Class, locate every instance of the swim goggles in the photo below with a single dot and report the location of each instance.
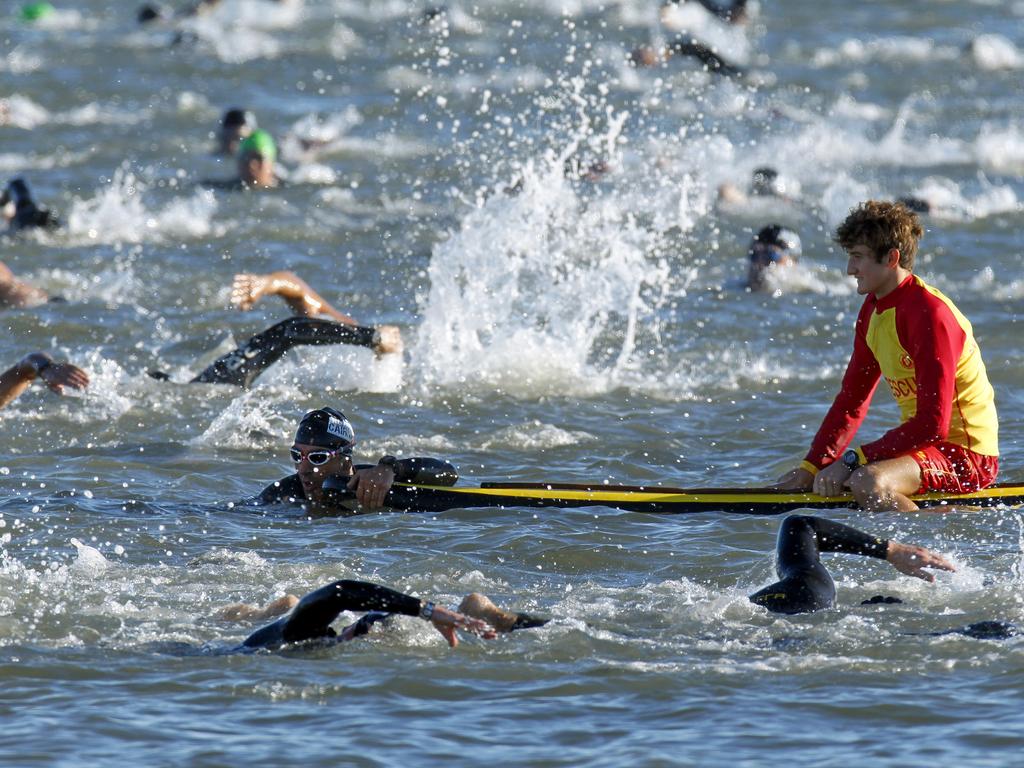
(763, 253)
(318, 458)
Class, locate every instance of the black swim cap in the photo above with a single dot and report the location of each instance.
(764, 181)
(236, 117)
(148, 13)
(326, 428)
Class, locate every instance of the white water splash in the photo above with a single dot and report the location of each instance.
(521, 295)
(117, 214)
(994, 52)
(89, 561)
(1001, 150)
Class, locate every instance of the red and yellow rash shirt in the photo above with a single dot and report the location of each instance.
(924, 347)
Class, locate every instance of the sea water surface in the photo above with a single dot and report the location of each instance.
(556, 329)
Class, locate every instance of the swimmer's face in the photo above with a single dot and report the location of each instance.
(230, 136)
(764, 258)
(312, 477)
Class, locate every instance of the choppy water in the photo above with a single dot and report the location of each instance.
(576, 331)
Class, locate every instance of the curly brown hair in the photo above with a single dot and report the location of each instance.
(882, 226)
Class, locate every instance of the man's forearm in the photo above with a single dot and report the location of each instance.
(16, 379)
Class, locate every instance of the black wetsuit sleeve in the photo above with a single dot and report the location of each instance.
(836, 537)
(287, 489)
(687, 46)
(242, 366)
(425, 471)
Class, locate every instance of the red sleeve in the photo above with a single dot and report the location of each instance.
(929, 331)
(851, 404)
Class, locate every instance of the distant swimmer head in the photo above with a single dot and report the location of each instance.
(150, 13)
(17, 193)
(235, 126)
(256, 156)
(915, 204)
(326, 428)
(768, 182)
(773, 246)
(20, 210)
(32, 12)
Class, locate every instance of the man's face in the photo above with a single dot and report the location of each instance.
(312, 477)
(871, 275)
(231, 136)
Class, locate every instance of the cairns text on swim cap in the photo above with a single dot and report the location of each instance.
(259, 143)
(328, 428)
(35, 11)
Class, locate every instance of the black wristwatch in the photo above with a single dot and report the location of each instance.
(391, 462)
(851, 459)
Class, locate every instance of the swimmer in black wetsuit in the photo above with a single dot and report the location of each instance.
(311, 617)
(773, 248)
(243, 365)
(21, 211)
(323, 448)
(805, 585)
(685, 46)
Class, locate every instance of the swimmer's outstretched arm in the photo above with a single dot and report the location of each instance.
(18, 293)
(248, 289)
(296, 293)
(909, 559)
(314, 613)
(16, 379)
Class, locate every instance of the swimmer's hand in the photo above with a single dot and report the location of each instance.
(247, 289)
(371, 485)
(446, 621)
(646, 56)
(912, 560)
(389, 340)
(57, 375)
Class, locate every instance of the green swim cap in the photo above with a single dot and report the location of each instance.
(261, 143)
(35, 11)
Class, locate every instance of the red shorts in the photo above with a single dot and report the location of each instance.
(954, 469)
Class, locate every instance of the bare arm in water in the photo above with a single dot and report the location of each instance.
(248, 289)
(16, 293)
(16, 379)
